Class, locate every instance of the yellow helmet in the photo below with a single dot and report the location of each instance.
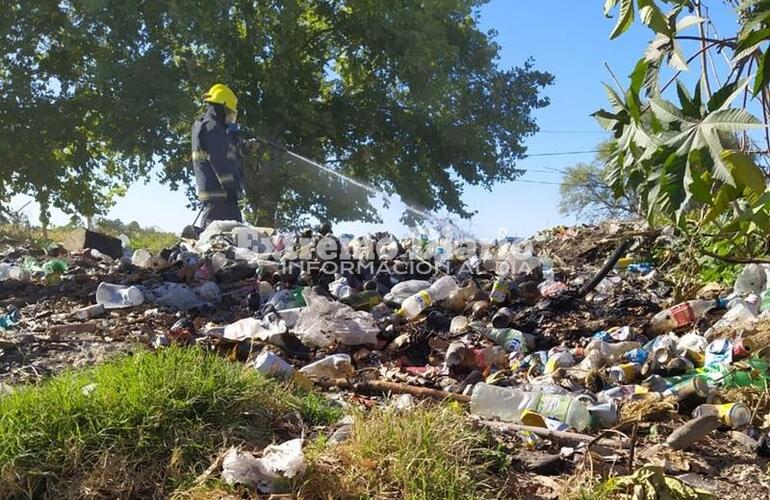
(221, 94)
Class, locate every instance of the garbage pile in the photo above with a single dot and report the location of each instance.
(567, 346)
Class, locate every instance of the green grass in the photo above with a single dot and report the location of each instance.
(429, 452)
(150, 239)
(152, 423)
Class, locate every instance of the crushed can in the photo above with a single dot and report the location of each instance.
(621, 334)
(719, 352)
(742, 348)
(636, 356)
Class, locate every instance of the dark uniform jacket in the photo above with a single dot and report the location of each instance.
(216, 157)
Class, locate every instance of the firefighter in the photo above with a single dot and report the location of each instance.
(216, 156)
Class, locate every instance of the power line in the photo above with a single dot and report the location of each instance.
(560, 153)
(573, 132)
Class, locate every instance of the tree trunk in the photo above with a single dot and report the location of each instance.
(263, 189)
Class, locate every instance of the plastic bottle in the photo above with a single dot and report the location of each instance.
(508, 405)
(458, 299)
(510, 339)
(113, 296)
(334, 366)
(362, 301)
(500, 289)
(402, 291)
(420, 301)
(732, 414)
(683, 314)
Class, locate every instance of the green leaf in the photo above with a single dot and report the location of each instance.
(753, 38)
(651, 15)
(638, 75)
(625, 18)
(677, 59)
(731, 120)
(652, 79)
(761, 16)
(695, 182)
(744, 170)
(615, 100)
(725, 195)
(726, 94)
(608, 6)
(667, 111)
(634, 106)
(688, 104)
(608, 121)
(688, 21)
(763, 73)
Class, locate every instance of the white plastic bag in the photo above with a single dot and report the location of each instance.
(324, 322)
(405, 289)
(751, 280)
(268, 329)
(278, 462)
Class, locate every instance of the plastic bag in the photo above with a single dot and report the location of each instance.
(266, 474)
(324, 322)
(268, 329)
(751, 280)
(405, 289)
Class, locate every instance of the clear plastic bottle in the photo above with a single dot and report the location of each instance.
(420, 301)
(510, 339)
(334, 366)
(458, 299)
(113, 296)
(683, 314)
(508, 405)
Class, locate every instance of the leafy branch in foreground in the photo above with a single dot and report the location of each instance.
(693, 160)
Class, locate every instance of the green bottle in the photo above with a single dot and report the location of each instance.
(362, 301)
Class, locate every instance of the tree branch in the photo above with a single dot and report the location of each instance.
(736, 260)
(725, 42)
(704, 57)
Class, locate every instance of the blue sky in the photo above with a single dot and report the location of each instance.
(568, 38)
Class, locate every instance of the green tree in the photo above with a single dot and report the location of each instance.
(406, 96)
(585, 193)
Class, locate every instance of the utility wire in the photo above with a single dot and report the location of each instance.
(573, 132)
(561, 153)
